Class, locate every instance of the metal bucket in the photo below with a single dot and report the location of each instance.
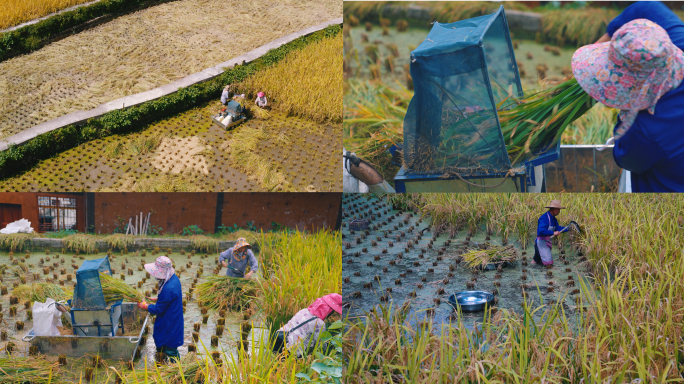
(471, 301)
(108, 347)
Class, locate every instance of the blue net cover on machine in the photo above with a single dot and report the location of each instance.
(88, 292)
(461, 72)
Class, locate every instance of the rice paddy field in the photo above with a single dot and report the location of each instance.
(287, 148)
(221, 343)
(126, 56)
(15, 12)
(608, 310)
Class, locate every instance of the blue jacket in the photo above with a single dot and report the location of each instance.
(653, 148)
(168, 328)
(544, 222)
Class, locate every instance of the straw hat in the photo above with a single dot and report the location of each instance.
(555, 204)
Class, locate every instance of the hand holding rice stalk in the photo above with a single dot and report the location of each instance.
(539, 120)
(495, 254)
(115, 290)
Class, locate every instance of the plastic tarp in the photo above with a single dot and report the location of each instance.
(19, 226)
(46, 318)
(88, 292)
(461, 72)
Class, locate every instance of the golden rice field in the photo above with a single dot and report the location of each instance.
(15, 12)
(141, 51)
(307, 83)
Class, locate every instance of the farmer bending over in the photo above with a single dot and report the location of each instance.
(304, 329)
(236, 259)
(547, 226)
(168, 327)
(261, 100)
(638, 67)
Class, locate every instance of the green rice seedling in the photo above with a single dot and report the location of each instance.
(114, 290)
(221, 292)
(80, 243)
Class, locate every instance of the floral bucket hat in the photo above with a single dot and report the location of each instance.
(162, 268)
(632, 71)
(241, 242)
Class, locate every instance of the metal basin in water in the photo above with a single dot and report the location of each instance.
(493, 266)
(471, 301)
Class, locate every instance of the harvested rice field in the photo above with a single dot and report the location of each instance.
(287, 147)
(189, 153)
(141, 51)
(609, 309)
(219, 342)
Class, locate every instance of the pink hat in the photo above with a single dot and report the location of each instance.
(632, 71)
(260, 94)
(162, 268)
(322, 306)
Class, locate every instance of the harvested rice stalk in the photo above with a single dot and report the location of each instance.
(114, 290)
(80, 243)
(119, 241)
(539, 120)
(219, 292)
(204, 243)
(41, 292)
(494, 254)
(26, 370)
(16, 241)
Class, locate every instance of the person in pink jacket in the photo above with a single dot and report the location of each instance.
(302, 331)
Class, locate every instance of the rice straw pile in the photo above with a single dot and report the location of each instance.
(26, 370)
(479, 258)
(114, 289)
(225, 292)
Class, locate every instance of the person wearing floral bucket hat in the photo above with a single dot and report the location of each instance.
(638, 67)
(168, 307)
(306, 326)
(236, 259)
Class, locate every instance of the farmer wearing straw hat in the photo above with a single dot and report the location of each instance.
(547, 226)
(305, 327)
(638, 67)
(235, 259)
(261, 100)
(168, 327)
